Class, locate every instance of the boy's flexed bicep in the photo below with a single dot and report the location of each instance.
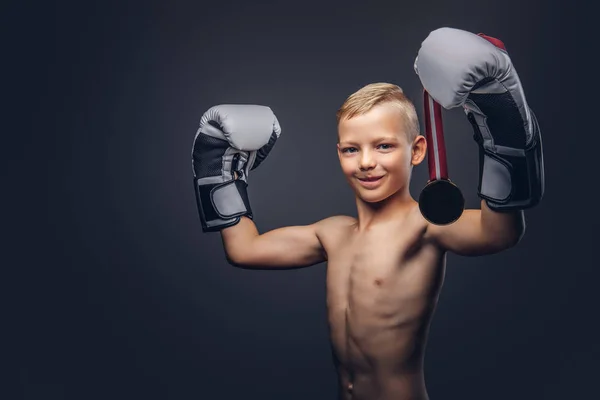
(479, 232)
(287, 247)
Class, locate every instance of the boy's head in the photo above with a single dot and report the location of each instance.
(378, 137)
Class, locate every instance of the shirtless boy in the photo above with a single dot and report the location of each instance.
(386, 267)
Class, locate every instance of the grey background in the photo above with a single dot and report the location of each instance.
(113, 292)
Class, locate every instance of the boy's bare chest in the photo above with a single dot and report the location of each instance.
(373, 263)
(366, 256)
(381, 286)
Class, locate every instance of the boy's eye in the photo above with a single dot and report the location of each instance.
(384, 146)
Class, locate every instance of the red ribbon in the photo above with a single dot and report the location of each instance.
(434, 133)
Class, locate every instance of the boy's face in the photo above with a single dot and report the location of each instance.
(374, 145)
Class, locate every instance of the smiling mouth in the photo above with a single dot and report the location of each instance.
(370, 179)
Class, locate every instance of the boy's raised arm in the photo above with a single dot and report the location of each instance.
(480, 232)
(287, 247)
(231, 141)
(460, 69)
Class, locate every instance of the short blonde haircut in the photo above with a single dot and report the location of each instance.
(363, 100)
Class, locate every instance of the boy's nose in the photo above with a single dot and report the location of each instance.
(367, 161)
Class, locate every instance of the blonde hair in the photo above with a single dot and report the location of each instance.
(363, 100)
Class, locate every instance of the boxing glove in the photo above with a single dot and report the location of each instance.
(231, 141)
(459, 68)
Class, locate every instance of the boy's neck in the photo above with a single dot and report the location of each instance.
(373, 214)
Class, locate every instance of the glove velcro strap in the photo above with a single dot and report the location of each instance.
(511, 181)
(221, 205)
(230, 199)
(497, 183)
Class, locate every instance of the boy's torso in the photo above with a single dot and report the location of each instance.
(382, 289)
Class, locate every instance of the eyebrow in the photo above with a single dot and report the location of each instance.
(379, 139)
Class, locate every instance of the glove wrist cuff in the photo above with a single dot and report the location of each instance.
(222, 205)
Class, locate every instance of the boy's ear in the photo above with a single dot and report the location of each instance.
(419, 149)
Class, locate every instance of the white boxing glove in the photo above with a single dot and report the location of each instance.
(231, 141)
(459, 68)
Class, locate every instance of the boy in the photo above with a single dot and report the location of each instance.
(386, 267)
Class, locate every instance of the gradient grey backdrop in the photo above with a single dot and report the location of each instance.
(119, 295)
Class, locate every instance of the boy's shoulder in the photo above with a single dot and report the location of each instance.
(335, 225)
(338, 221)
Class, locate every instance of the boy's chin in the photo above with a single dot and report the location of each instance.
(373, 196)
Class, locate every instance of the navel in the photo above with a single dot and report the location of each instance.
(378, 282)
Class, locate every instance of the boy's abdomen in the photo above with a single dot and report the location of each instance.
(381, 296)
(379, 386)
(379, 334)
(377, 360)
